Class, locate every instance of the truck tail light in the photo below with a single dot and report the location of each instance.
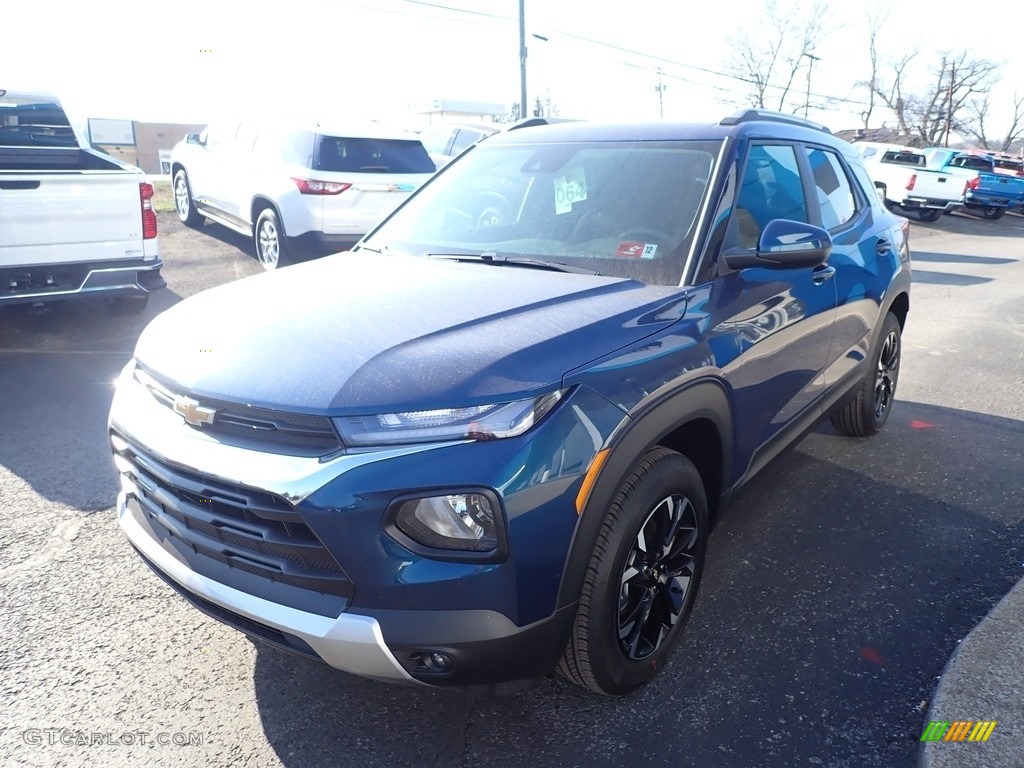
(912, 182)
(311, 187)
(148, 214)
(973, 183)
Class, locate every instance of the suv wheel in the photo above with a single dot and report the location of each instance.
(868, 411)
(642, 579)
(269, 239)
(183, 203)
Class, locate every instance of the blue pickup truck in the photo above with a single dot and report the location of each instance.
(988, 192)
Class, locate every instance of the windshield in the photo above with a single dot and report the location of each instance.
(624, 209)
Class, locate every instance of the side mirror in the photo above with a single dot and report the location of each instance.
(193, 138)
(784, 244)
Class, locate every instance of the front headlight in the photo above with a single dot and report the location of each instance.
(479, 422)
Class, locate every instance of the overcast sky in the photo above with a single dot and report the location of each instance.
(189, 61)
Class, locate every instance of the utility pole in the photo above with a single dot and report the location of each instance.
(522, 59)
(810, 67)
(660, 88)
(949, 102)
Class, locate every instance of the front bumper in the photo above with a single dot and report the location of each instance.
(498, 623)
(53, 282)
(350, 642)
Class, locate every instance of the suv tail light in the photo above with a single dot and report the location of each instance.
(912, 182)
(148, 214)
(311, 187)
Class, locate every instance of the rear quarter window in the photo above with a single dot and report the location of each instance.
(362, 155)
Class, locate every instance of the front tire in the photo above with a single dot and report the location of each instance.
(868, 411)
(642, 578)
(184, 205)
(269, 239)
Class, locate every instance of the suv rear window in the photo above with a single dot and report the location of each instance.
(362, 155)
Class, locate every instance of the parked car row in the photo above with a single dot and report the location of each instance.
(938, 180)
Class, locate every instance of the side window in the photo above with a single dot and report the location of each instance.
(246, 136)
(871, 193)
(463, 139)
(296, 147)
(770, 189)
(219, 134)
(835, 197)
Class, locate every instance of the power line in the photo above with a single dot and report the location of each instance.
(614, 47)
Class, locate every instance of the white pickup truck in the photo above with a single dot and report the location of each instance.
(74, 222)
(903, 180)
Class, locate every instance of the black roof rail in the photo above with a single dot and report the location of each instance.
(529, 122)
(766, 115)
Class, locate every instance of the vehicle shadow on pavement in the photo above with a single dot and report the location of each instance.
(947, 278)
(836, 588)
(958, 258)
(57, 371)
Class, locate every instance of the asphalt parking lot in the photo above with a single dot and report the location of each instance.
(837, 585)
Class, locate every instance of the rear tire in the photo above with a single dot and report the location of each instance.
(269, 238)
(993, 213)
(184, 205)
(929, 214)
(642, 579)
(868, 411)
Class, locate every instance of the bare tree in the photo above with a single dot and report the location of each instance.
(892, 95)
(932, 114)
(769, 54)
(974, 124)
(876, 20)
(1016, 129)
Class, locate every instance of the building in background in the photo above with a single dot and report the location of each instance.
(147, 145)
(442, 110)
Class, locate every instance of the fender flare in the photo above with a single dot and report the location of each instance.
(705, 398)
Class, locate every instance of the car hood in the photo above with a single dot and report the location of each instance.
(357, 332)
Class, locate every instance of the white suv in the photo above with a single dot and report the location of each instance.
(297, 187)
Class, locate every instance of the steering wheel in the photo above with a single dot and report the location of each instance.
(647, 235)
(496, 210)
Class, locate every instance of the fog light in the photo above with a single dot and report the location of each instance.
(440, 661)
(461, 521)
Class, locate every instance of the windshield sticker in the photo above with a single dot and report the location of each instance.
(630, 250)
(633, 249)
(570, 188)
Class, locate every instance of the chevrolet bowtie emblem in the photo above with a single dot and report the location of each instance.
(194, 413)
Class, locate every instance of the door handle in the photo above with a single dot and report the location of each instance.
(823, 274)
(883, 246)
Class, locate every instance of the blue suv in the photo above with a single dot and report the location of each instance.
(490, 441)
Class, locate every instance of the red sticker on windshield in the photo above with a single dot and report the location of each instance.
(630, 250)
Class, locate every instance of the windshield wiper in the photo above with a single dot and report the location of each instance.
(513, 261)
